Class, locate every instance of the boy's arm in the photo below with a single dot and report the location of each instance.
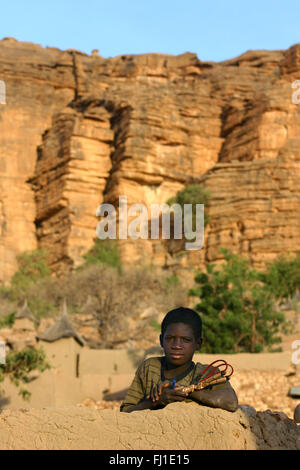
(146, 404)
(160, 396)
(220, 396)
(135, 392)
(135, 399)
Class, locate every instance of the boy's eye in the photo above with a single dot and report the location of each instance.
(170, 338)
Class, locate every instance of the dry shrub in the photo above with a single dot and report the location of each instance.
(118, 297)
(7, 307)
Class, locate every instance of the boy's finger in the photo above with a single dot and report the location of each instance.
(180, 394)
(156, 395)
(164, 385)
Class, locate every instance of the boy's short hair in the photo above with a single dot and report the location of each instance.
(183, 315)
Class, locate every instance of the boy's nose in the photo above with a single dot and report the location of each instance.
(177, 343)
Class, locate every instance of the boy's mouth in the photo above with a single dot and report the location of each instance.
(176, 355)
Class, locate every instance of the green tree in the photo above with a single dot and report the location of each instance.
(171, 282)
(283, 277)
(193, 194)
(7, 321)
(33, 270)
(32, 267)
(18, 365)
(236, 307)
(105, 252)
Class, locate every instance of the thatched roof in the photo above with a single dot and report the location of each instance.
(24, 312)
(89, 307)
(63, 328)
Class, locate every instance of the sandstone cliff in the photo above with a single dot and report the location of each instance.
(78, 130)
(176, 427)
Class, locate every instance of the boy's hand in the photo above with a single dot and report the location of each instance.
(163, 394)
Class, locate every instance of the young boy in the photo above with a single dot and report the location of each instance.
(181, 331)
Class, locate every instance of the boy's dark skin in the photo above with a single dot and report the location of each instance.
(180, 344)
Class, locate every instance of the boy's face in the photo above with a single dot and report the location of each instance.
(179, 343)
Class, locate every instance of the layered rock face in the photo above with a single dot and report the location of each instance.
(38, 82)
(176, 427)
(71, 173)
(79, 130)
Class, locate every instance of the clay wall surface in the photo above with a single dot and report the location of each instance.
(179, 426)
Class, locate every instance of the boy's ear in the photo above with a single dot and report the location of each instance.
(199, 343)
(161, 340)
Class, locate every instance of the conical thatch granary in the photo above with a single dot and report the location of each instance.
(24, 320)
(62, 344)
(63, 328)
(90, 307)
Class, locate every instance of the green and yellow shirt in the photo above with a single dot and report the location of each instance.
(151, 373)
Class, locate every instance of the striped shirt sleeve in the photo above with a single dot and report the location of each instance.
(136, 391)
(147, 375)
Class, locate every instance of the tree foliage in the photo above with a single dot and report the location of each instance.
(19, 364)
(237, 308)
(7, 321)
(193, 194)
(32, 267)
(105, 252)
(32, 272)
(283, 277)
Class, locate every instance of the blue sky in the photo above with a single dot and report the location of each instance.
(215, 31)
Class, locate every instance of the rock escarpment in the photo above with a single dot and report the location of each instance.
(176, 427)
(79, 130)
